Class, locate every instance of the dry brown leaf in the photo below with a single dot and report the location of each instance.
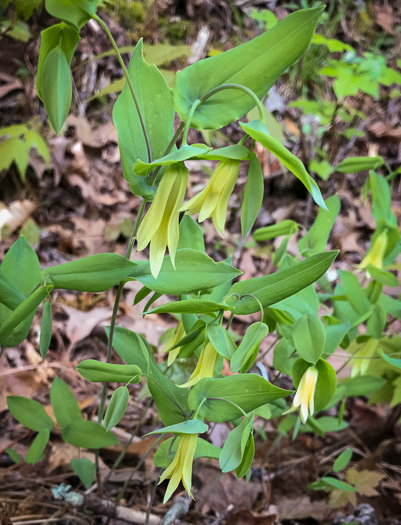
(300, 508)
(8, 84)
(246, 517)
(340, 498)
(364, 481)
(14, 216)
(80, 324)
(385, 17)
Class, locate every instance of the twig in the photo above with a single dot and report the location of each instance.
(179, 509)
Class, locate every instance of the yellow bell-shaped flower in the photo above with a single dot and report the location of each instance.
(180, 469)
(375, 254)
(213, 199)
(305, 394)
(206, 365)
(178, 334)
(160, 225)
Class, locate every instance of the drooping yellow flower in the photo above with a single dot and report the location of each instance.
(305, 394)
(178, 334)
(181, 466)
(213, 199)
(361, 358)
(375, 254)
(160, 225)
(206, 365)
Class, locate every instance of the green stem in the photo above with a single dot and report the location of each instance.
(129, 83)
(189, 120)
(246, 90)
(259, 303)
(153, 176)
(135, 229)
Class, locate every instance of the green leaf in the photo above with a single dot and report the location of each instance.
(97, 371)
(13, 455)
(334, 336)
(233, 449)
(248, 391)
(17, 325)
(309, 337)
(253, 336)
(356, 164)
(14, 149)
(377, 321)
(362, 386)
(74, 12)
(29, 413)
(95, 273)
(165, 453)
(253, 195)
(259, 132)
(221, 340)
(354, 292)
(283, 357)
(286, 227)
(88, 434)
(10, 296)
(381, 198)
(325, 384)
(316, 238)
(132, 348)
(322, 168)
(84, 468)
(271, 289)
(65, 406)
(247, 458)
(56, 87)
(256, 64)
(186, 152)
(343, 459)
(57, 35)
(337, 484)
(393, 361)
(190, 235)
(194, 271)
(194, 306)
(38, 446)
(117, 407)
(46, 328)
(191, 426)
(234, 152)
(154, 101)
(382, 277)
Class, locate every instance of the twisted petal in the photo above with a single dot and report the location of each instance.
(205, 367)
(304, 396)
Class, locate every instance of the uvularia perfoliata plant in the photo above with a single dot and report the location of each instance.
(202, 294)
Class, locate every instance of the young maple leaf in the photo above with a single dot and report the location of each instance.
(339, 498)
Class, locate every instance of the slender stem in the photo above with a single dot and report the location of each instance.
(152, 498)
(129, 82)
(135, 228)
(189, 120)
(246, 90)
(230, 320)
(259, 303)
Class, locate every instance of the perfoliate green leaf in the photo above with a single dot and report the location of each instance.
(247, 458)
(154, 101)
(88, 434)
(286, 227)
(315, 240)
(10, 296)
(233, 449)
(248, 391)
(256, 64)
(355, 293)
(221, 340)
(356, 164)
(381, 198)
(253, 336)
(117, 407)
(38, 445)
(29, 413)
(194, 271)
(259, 132)
(74, 12)
(309, 337)
(393, 361)
(97, 371)
(132, 348)
(190, 235)
(46, 328)
(377, 321)
(325, 384)
(95, 273)
(84, 468)
(253, 195)
(334, 336)
(65, 406)
(362, 386)
(271, 289)
(194, 306)
(56, 87)
(234, 152)
(191, 426)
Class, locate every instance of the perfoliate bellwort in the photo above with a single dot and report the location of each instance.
(206, 365)
(160, 225)
(375, 254)
(305, 394)
(213, 199)
(181, 466)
